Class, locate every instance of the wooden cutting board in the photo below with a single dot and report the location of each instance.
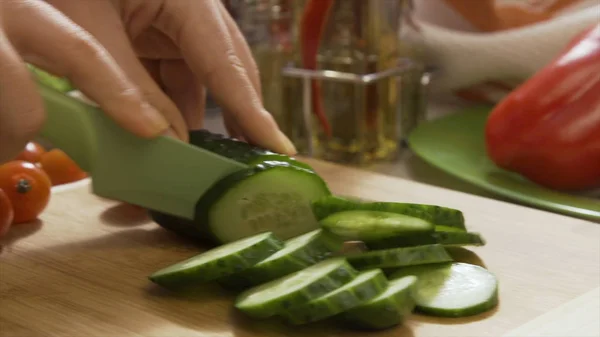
(81, 271)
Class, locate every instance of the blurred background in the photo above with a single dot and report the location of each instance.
(349, 80)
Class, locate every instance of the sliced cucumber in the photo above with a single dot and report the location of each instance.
(452, 237)
(364, 287)
(180, 226)
(369, 226)
(399, 257)
(218, 262)
(61, 84)
(272, 197)
(386, 310)
(452, 289)
(438, 215)
(295, 289)
(238, 150)
(298, 253)
(459, 238)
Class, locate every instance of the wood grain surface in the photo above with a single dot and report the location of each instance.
(82, 271)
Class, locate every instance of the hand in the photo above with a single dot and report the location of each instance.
(144, 62)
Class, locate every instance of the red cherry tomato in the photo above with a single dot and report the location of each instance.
(27, 187)
(32, 152)
(60, 167)
(6, 213)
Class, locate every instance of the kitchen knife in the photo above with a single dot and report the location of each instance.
(161, 174)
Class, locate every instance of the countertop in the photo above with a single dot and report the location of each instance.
(81, 270)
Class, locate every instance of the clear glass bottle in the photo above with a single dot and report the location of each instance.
(357, 123)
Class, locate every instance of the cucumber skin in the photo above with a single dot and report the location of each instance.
(239, 151)
(400, 257)
(322, 248)
(260, 251)
(381, 316)
(438, 215)
(446, 238)
(317, 310)
(181, 227)
(330, 282)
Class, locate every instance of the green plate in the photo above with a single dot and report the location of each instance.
(455, 144)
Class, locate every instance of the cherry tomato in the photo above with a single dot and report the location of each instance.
(60, 167)
(32, 152)
(27, 187)
(6, 213)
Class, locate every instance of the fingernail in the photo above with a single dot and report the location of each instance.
(288, 146)
(154, 121)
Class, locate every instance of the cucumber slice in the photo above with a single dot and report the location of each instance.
(387, 310)
(438, 215)
(180, 226)
(298, 253)
(399, 257)
(295, 289)
(459, 238)
(364, 287)
(238, 150)
(369, 226)
(218, 262)
(452, 237)
(273, 197)
(452, 289)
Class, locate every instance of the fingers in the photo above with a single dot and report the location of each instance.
(198, 28)
(102, 21)
(72, 52)
(21, 108)
(180, 84)
(242, 49)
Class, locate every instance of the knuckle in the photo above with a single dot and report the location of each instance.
(84, 45)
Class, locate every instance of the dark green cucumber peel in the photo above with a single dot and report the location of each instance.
(218, 262)
(274, 297)
(299, 252)
(438, 215)
(459, 238)
(399, 257)
(273, 197)
(367, 285)
(387, 310)
(443, 235)
(182, 227)
(372, 226)
(238, 150)
(452, 289)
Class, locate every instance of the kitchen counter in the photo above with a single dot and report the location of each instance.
(81, 270)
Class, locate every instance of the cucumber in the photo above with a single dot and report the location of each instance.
(369, 226)
(218, 262)
(438, 215)
(387, 310)
(274, 297)
(452, 289)
(238, 150)
(459, 238)
(399, 257)
(273, 197)
(364, 287)
(299, 252)
(443, 236)
(180, 226)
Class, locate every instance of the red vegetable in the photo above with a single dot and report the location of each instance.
(312, 26)
(548, 129)
(27, 187)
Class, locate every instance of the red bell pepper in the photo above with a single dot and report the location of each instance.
(548, 129)
(312, 25)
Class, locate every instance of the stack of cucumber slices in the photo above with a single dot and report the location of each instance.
(280, 238)
(307, 278)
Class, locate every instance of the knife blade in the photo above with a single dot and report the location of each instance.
(161, 174)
